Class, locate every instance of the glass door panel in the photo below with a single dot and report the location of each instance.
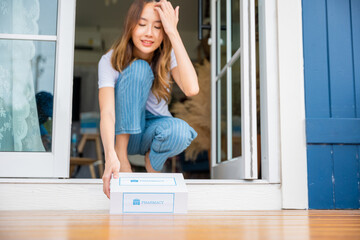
(235, 26)
(233, 81)
(236, 109)
(35, 17)
(222, 34)
(222, 119)
(27, 73)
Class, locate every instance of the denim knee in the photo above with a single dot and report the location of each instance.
(185, 137)
(138, 74)
(175, 137)
(131, 93)
(142, 71)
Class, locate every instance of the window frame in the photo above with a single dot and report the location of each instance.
(53, 164)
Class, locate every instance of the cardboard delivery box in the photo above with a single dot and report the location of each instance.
(148, 193)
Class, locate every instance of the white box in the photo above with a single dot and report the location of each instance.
(163, 193)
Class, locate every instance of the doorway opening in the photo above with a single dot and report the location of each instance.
(98, 25)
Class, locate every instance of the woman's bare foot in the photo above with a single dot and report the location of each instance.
(125, 165)
(148, 164)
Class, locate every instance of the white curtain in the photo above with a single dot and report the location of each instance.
(19, 124)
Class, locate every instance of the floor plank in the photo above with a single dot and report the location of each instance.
(285, 224)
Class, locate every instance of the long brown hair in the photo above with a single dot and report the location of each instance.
(122, 54)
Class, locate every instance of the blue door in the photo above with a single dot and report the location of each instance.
(331, 31)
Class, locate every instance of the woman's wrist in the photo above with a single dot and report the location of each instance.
(173, 35)
(110, 152)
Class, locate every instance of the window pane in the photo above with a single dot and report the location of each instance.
(37, 17)
(27, 71)
(221, 119)
(223, 28)
(235, 26)
(236, 108)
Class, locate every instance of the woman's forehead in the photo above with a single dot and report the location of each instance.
(149, 13)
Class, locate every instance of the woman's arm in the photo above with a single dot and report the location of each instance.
(107, 131)
(184, 74)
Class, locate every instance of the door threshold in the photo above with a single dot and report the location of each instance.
(99, 181)
(87, 194)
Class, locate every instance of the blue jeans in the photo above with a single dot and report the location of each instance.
(164, 136)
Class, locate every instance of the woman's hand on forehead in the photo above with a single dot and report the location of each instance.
(169, 17)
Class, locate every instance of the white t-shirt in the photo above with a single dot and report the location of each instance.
(108, 77)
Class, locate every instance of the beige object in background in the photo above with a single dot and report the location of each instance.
(197, 113)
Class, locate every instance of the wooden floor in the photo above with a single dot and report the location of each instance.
(286, 224)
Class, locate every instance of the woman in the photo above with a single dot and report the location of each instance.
(135, 88)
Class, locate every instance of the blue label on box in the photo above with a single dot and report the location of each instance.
(147, 181)
(148, 202)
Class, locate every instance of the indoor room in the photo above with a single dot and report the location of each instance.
(98, 24)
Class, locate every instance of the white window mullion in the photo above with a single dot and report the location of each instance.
(63, 87)
(233, 59)
(229, 80)
(269, 92)
(245, 116)
(27, 37)
(252, 78)
(213, 57)
(218, 83)
(248, 77)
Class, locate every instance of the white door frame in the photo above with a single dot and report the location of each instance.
(285, 141)
(292, 105)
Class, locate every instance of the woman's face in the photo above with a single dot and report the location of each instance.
(148, 33)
